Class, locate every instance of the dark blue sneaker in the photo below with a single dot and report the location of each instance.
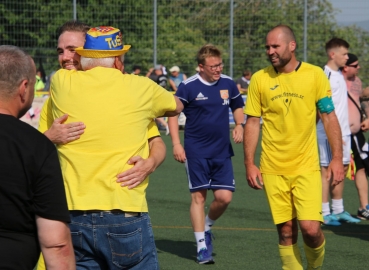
(208, 241)
(203, 257)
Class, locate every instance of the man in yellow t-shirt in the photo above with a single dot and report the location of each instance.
(286, 95)
(117, 110)
(72, 35)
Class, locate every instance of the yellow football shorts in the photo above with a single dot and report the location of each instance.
(292, 196)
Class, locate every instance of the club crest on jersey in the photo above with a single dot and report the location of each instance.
(225, 96)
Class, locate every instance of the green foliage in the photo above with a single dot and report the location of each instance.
(183, 26)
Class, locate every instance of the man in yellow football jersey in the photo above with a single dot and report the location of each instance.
(286, 95)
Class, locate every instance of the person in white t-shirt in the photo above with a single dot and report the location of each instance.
(337, 50)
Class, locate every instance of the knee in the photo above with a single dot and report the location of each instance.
(223, 200)
(287, 236)
(312, 234)
(198, 198)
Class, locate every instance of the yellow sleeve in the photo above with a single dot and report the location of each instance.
(322, 85)
(253, 101)
(46, 117)
(152, 130)
(162, 100)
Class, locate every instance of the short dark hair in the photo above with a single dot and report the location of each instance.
(73, 26)
(15, 66)
(336, 43)
(208, 50)
(136, 67)
(247, 72)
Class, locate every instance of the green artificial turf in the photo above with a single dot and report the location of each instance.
(245, 237)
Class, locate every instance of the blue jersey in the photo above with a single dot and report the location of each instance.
(206, 106)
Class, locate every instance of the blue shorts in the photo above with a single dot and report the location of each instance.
(210, 173)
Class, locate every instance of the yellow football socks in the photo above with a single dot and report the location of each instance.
(315, 256)
(291, 257)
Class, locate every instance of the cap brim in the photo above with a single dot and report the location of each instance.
(102, 53)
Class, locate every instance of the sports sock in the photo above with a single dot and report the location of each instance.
(291, 257)
(208, 223)
(314, 256)
(325, 209)
(337, 206)
(200, 240)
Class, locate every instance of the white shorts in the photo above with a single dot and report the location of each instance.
(325, 153)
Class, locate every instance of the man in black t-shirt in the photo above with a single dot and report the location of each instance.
(33, 208)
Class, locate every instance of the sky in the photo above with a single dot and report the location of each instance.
(351, 10)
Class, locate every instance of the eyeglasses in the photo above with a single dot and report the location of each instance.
(354, 66)
(213, 68)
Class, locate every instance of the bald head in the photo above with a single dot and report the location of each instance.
(280, 47)
(285, 31)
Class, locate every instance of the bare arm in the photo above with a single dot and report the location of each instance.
(179, 108)
(56, 244)
(178, 150)
(149, 72)
(237, 132)
(173, 85)
(143, 167)
(333, 131)
(241, 90)
(250, 141)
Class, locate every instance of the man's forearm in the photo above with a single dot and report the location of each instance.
(334, 135)
(157, 151)
(250, 139)
(56, 244)
(238, 116)
(173, 127)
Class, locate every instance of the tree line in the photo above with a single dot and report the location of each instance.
(183, 26)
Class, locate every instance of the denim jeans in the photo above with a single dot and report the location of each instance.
(113, 240)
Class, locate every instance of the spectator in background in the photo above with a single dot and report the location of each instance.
(336, 49)
(39, 91)
(243, 82)
(161, 79)
(176, 78)
(34, 211)
(136, 70)
(157, 75)
(358, 124)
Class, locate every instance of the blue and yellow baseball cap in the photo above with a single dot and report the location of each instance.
(103, 41)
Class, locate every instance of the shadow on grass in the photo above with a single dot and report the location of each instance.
(183, 249)
(360, 231)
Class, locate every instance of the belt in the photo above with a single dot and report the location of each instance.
(114, 211)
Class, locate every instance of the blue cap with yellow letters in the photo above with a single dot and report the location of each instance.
(103, 41)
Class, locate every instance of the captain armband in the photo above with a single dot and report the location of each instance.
(325, 105)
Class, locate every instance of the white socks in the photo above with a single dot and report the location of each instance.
(200, 240)
(208, 223)
(337, 206)
(326, 210)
